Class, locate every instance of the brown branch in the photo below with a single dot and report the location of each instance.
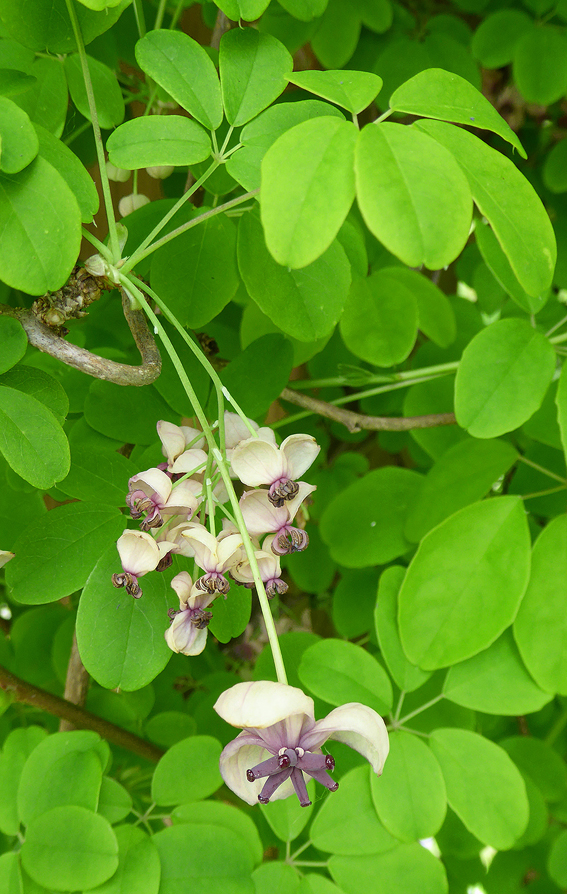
(222, 25)
(358, 421)
(76, 684)
(45, 339)
(78, 717)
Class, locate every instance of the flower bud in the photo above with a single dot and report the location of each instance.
(118, 175)
(160, 172)
(131, 203)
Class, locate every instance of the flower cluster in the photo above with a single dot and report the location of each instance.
(173, 501)
(281, 741)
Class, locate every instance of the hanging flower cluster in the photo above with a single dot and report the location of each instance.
(281, 741)
(173, 501)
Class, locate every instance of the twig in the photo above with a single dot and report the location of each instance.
(222, 25)
(42, 337)
(59, 707)
(358, 421)
(76, 683)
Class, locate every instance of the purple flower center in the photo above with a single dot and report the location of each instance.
(293, 763)
(289, 540)
(281, 490)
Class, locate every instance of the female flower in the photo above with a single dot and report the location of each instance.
(281, 740)
(188, 631)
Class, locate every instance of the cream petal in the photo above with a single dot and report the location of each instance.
(182, 636)
(292, 506)
(138, 552)
(235, 429)
(172, 439)
(257, 462)
(261, 704)
(228, 551)
(359, 727)
(182, 499)
(5, 556)
(154, 483)
(182, 585)
(300, 452)
(240, 755)
(194, 437)
(260, 516)
(189, 461)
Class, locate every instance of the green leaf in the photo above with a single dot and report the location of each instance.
(113, 629)
(253, 70)
(436, 93)
(410, 795)
(287, 818)
(495, 39)
(72, 170)
(353, 90)
(13, 82)
(226, 815)
(196, 273)
(41, 225)
(305, 9)
(47, 101)
(347, 822)
(62, 770)
(40, 385)
(508, 201)
(464, 585)
(98, 475)
(307, 189)
(32, 441)
(306, 303)
(275, 876)
(340, 672)
(364, 524)
(338, 33)
(433, 396)
(540, 65)
(484, 787)
(158, 140)
(70, 848)
(537, 759)
(379, 322)
(413, 198)
(10, 874)
(99, 4)
(188, 771)
(115, 802)
(18, 139)
(554, 168)
(57, 553)
(354, 618)
(125, 412)
(421, 872)
(502, 378)
(44, 25)
(18, 746)
(436, 317)
(203, 858)
(182, 67)
(463, 475)
(561, 400)
(557, 861)
(138, 864)
(257, 136)
(500, 268)
(252, 383)
(495, 681)
(169, 727)
(406, 675)
(540, 628)
(231, 616)
(13, 343)
(106, 89)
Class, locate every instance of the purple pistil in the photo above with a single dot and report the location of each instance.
(293, 762)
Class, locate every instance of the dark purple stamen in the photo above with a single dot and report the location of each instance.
(281, 490)
(289, 540)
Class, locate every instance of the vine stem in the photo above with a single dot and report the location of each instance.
(112, 231)
(223, 469)
(420, 709)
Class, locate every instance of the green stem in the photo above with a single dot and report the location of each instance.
(176, 15)
(384, 115)
(399, 706)
(542, 469)
(112, 233)
(147, 247)
(544, 493)
(402, 376)
(159, 15)
(300, 850)
(141, 252)
(140, 19)
(103, 249)
(422, 708)
(557, 728)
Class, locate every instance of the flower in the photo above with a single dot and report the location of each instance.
(5, 556)
(139, 553)
(175, 440)
(281, 740)
(154, 493)
(262, 517)
(214, 555)
(257, 461)
(188, 630)
(269, 568)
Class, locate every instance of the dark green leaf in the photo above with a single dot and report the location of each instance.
(252, 383)
(32, 441)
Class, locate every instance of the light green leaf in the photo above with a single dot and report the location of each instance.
(106, 89)
(138, 864)
(10, 874)
(158, 140)
(226, 815)
(406, 675)
(500, 268)
(340, 672)
(305, 10)
(347, 822)
(253, 70)
(57, 553)
(203, 858)
(463, 586)
(540, 628)
(48, 100)
(70, 848)
(18, 746)
(414, 199)
(41, 229)
(540, 64)
(182, 67)
(561, 400)
(436, 317)
(537, 759)
(200, 776)
(13, 343)
(31, 439)
(364, 524)
(100, 4)
(495, 681)
(98, 475)
(231, 616)
(115, 802)
(307, 189)
(275, 876)
(45, 26)
(463, 474)
(410, 796)
(484, 787)
(421, 872)
(495, 39)
(113, 629)
(554, 170)
(557, 861)
(18, 138)
(353, 90)
(71, 169)
(306, 303)
(436, 93)
(337, 35)
(502, 378)
(287, 818)
(379, 322)
(508, 201)
(14, 82)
